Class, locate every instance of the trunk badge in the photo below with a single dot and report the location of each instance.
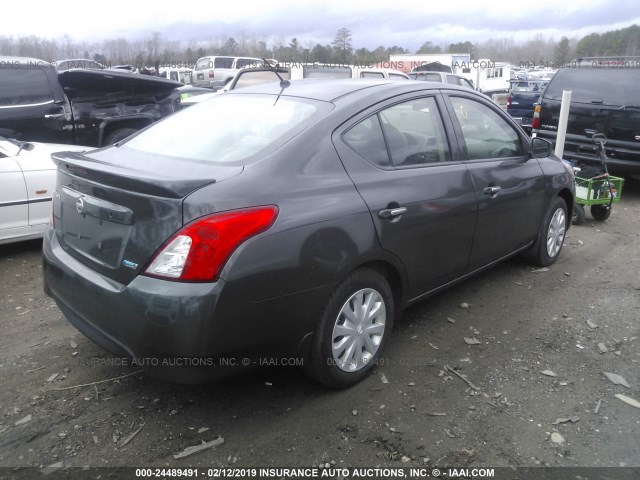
(80, 205)
(129, 264)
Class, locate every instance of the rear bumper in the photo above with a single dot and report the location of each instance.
(178, 331)
(618, 158)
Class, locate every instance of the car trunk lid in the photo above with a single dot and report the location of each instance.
(115, 207)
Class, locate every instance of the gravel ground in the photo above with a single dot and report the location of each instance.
(532, 391)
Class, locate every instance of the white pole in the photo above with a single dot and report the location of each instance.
(562, 122)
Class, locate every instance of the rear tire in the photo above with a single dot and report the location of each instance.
(600, 212)
(552, 234)
(578, 214)
(353, 330)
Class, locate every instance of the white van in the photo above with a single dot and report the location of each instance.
(182, 75)
(216, 71)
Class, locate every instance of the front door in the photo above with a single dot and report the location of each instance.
(509, 185)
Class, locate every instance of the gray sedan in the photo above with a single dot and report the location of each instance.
(294, 220)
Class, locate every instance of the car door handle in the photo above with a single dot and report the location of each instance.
(392, 212)
(54, 115)
(492, 191)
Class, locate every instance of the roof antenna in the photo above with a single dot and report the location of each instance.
(283, 83)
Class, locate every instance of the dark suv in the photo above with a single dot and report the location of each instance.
(606, 98)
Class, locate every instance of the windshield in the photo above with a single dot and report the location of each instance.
(594, 85)
(229, 128)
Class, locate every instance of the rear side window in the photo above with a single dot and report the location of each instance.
(415, 133)
(24, 86)
(203, 63)
(486, 134)
(246, 62)
(367, 140)
(608, 86)
(412, 131)
(223, 62)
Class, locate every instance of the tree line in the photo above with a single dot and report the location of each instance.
(156, 49)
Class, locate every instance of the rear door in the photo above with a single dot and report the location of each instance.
(509, 185)
(420, 194)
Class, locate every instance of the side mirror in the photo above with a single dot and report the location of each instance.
(541, 148)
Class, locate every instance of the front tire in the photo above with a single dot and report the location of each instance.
(353, 331)
(552, 234)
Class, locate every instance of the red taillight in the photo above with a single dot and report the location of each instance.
(210, 73)
(535, 123)
(198, 252)
(509, 102)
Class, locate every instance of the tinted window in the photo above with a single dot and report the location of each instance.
(611, 86)
(326, 72)
(256, 77)
(366, 139)
(453, 80)
(23, 86)
(414, 133)
(223, 62)
(486, 133)
(371, 75)
(246, 62)
(228, 128)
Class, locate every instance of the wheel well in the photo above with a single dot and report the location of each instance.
(392, 276)
(568, 199)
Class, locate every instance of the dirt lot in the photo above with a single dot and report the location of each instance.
(412, 412)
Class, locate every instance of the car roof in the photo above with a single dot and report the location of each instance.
(329, 90)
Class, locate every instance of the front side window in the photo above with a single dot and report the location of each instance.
(486, 134)
(404, 135)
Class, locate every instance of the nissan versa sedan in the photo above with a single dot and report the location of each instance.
(294, 220)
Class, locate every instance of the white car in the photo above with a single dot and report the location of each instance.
(27, 183)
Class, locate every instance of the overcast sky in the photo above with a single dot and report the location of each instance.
(371, 22)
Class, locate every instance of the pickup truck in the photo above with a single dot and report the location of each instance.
(605, 98)
(78, 106)
(522, 99)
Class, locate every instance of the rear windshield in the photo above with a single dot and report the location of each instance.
(607, 86)
(229, 128)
